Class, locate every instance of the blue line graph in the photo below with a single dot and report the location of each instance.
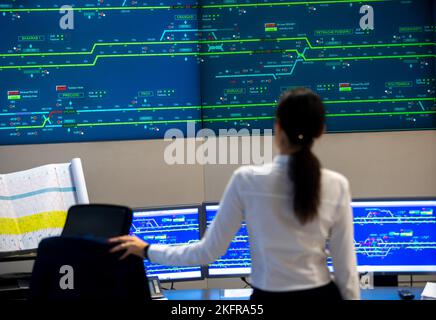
(37, 192)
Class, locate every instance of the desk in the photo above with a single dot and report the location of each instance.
(385, 293)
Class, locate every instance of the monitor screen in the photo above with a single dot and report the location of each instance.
(237, 260)
(395, 236)
(169, 226)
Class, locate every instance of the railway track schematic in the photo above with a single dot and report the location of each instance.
(237, 260)
(388, 235)
(168, 227)
(133, 69)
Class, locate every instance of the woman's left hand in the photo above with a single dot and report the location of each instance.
(131, 244)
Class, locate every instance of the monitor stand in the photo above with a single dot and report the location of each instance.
(385, 280)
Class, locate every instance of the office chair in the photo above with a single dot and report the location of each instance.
(98, 221)
(97, 274)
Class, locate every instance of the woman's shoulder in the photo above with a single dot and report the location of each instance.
(253, 170)
(332, 177)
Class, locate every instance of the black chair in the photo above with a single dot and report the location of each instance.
(98, 221)
(97, 274)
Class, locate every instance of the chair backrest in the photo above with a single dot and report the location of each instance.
(94, 273)
(98, 221)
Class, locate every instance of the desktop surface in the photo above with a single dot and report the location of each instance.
(384, 293)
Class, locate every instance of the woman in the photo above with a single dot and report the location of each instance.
(292, 208)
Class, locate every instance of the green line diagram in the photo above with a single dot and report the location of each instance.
(224, 67)
(229, 106)
(217, 6)
(195, 42)
(199, 54)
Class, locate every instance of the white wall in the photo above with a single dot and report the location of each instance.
(135, 173)
(388, 164)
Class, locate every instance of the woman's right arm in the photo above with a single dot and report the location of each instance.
(342, 248)
(216, 239)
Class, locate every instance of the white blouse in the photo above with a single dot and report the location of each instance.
(286, 255)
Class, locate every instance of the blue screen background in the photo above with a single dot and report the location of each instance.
(170, 229)
(134, 69)
(238, 253)
(395, 236)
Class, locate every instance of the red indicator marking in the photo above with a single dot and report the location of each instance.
(61, 88)
(13, 93)
(53, 112)
(270, 25)
(341, 85)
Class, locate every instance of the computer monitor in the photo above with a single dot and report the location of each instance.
(170, 226)
(390, 236)
(395, 236)
(237, 260)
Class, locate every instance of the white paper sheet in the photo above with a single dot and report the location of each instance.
(79, 181)
(34, 203)
(429, 291)
(237, 293)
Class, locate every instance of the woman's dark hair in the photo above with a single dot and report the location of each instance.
(301, 116)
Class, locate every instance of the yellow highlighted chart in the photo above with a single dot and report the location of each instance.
(32, 223)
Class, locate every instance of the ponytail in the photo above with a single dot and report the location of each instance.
(305, 173)
(301, 116)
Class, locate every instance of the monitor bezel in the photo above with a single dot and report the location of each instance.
(393, 199)
(217, 276)
(201, 231)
